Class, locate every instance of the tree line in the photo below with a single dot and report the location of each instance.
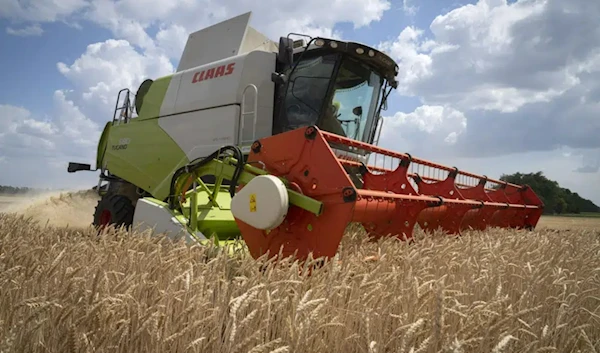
(13, 190)
(557, 200)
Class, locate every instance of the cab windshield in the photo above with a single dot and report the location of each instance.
(356, 92)
(307, 91)
(348, 110)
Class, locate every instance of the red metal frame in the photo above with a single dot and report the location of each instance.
(386, 204)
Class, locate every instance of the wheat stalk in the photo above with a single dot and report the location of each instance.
(493, 291)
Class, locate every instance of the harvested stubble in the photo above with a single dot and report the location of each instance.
(70, 291)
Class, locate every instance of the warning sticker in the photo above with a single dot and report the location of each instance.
(252, 202)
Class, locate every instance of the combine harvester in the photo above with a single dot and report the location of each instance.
(272, 142)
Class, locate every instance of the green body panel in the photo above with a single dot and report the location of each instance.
(213, 220)
(225, 169)
(102, 144)
(206, 207)
(140, 151)
(226, 232)
(144, 155)
(153, 99)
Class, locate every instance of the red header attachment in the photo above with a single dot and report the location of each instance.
(387, 201)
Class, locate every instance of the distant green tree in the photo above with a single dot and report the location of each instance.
(561, 206)
(555, 198)
(12, 190)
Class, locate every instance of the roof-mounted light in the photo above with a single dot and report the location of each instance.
(299, 43)
(371, 53)
(360, 51)
(319, 42)
(333, 44)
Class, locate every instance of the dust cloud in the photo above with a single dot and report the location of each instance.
(73, 209)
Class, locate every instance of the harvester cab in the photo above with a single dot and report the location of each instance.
(271, 142)
(340, 87)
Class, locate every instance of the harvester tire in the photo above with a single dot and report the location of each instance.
(115, 210)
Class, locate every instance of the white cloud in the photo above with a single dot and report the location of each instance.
(40, 10)
(36, 128)
(427, 130)
(409, 8)
(123, 22)
(10, 118)
(31, 144)
(589, 161)
(414, 64)
(29, 31)
(276, 16)
(172, 40)
(67, 132)
(526, 74)
(74, 127)
(20, 135)
(430, 120)
(131, 19)
(491, 55)
(107, 67)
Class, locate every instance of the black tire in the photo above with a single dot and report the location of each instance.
(114, 209)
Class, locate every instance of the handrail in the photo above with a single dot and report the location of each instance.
(380, 126)
(243, 113)
(126, 110)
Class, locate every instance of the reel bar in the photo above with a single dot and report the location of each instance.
(330, 137)
(347, 162)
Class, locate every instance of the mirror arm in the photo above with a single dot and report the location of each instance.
(278, 78)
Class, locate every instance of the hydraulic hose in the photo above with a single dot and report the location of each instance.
(200, 162)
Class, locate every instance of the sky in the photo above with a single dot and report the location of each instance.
(490, 86)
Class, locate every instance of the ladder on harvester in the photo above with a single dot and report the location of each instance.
(123, 112)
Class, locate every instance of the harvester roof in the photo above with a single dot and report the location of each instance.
(222, 40)
(380, 61)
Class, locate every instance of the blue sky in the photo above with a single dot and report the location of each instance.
(28, 64)
(492, 86)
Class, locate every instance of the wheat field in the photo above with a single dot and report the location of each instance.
(68, 290)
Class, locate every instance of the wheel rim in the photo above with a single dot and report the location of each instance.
(105, 217)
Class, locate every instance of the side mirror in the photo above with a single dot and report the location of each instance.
(75, 167)
(286, 51)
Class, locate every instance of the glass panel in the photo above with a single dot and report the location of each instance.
(354, 101)
(307, 90)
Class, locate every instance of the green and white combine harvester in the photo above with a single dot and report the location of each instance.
(272, 142)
